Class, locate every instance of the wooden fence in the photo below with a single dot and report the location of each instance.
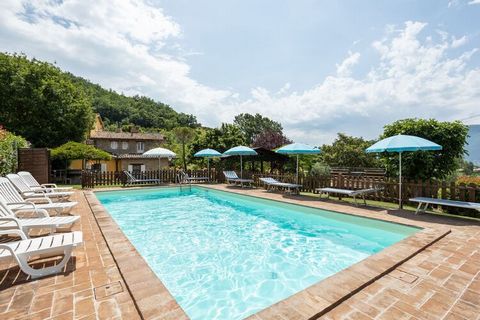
(91, 179)
(388, 186)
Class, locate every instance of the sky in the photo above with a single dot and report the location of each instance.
(317, 67)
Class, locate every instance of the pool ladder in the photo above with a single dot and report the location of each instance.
(180, 181)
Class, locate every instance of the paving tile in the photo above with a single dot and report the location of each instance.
(68, 295)
(442, 280)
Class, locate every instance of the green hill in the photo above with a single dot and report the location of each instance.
(49, 106)
(141, 111)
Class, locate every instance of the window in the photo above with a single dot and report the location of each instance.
(113, 145)
(125, 145)
(140, 147)
(136, 167)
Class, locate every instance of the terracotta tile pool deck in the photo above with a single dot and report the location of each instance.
(435, 274)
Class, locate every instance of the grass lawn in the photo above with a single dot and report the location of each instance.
(390, 206)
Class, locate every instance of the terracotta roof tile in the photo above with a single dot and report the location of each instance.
(125, 135)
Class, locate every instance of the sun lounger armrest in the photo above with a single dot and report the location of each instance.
(13, 220)
(49, 185)
(18, 232)
(25, 203)
(40, 213)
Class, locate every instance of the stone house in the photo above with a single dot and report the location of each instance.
(126, 148)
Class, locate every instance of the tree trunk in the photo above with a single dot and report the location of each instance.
(184, 158)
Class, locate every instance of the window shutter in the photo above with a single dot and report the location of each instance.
(130, 168)
(142, 167)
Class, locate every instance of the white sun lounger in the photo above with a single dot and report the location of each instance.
(131, 180)
(16, 202)
(351, 193)
(11, 220)
(443, 202)
(28, 192)
(271, 182)
(48, 246)
(30, 181)
(231, 176)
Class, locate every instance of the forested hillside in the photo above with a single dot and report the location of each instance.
(142, 111)
(49, 107)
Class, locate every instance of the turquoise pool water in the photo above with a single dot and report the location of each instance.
(227, 256)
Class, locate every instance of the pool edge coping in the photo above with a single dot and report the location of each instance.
(147, 290)
(310, 303)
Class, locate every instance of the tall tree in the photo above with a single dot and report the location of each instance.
(253, 125)
(184, 136)
(40, 103)
(269, 139)
(348, 151)
(451, 136)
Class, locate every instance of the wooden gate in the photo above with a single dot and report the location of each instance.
(36, 161)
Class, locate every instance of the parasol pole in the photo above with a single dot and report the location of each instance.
(400, 181)
(241, 167)
(297, 169)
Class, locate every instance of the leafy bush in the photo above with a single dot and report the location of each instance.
(468, 180)
(320, 169)
(348, 151)
(8, 151)
(75, 150)
(451, 136)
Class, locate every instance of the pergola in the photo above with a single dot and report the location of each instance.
(276, 160)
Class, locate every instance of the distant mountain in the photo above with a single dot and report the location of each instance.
(474, 144)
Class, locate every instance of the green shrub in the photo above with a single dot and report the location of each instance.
(8, 151)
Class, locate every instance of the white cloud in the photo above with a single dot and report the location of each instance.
(344, 68)
(127, 46)
(474, 2)
(412, 79)
(119, 44)
(458, 42)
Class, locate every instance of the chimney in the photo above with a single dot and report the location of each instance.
(134, 129)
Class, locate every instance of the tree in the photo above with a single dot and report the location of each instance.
(451, 136)
(40, 103)
(223, 138)
(9, 143)
(141, 111)
(348, 151)
(270, 140)
(184, 136)
(75, 150)
(50, 107)
(253, 125)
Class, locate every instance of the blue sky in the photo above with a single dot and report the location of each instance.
(318, 67)
(244, 44)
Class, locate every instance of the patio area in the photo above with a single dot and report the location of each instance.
(440, 280)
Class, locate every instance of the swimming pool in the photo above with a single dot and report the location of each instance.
(227, 256)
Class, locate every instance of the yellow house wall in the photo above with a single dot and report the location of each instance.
(77, 164)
